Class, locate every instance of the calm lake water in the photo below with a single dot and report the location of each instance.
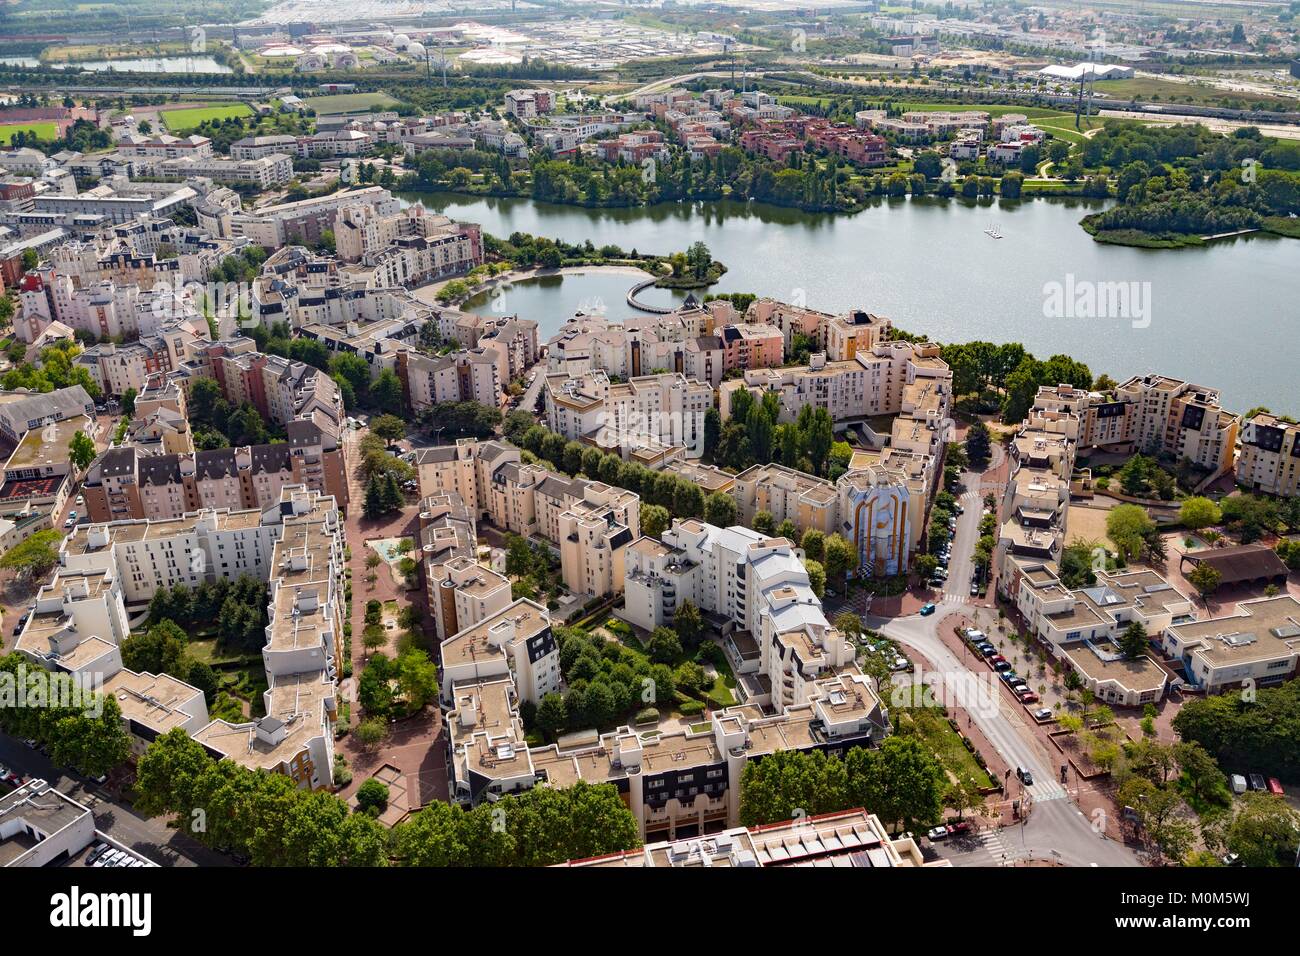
(1226, 315)
(161, 64)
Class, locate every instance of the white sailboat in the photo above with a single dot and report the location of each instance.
(992, 232)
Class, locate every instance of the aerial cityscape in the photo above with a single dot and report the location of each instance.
(613, 434)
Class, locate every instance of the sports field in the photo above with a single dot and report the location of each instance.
(43, 130)
(184, 120)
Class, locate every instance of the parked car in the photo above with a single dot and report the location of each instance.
(1005, 672)
(974, 588)
(1238, 783)
(959, 827)
(1044, 713)
(99, 850)
(988, 650)
(1275, 787)
(1231, 859)
(1024, 776)
(1028, 697)
(938, 833)
(997, 659)
(974, 635)
(1257, 781)
(30, 742)
(935, 583)
(927, 609)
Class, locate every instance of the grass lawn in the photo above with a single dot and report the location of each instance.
(41, 130)
(184, 120)
(351, 103)
(207, 650)
(933, 729)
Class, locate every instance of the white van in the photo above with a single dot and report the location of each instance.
(1238, 783)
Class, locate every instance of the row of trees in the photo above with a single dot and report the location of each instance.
(236, 608)
(752, 435)
(682, 498)
(82, 730)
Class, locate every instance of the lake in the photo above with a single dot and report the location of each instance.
(929, 265)
(159, 64)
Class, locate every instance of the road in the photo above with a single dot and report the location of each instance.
(1056, 829)
(148, 836)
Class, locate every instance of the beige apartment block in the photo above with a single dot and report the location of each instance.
(1269, 455)
(786, 493)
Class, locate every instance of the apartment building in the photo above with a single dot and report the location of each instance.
(1152, 414)
(515, 642)
(588, 524)
(1268, 458)
(478, 374)
(593, 535)
(1257, 646)
(527, 104)
(851, 838)
(786, 493)
(679, 785)
(648, 412)
(306, 220)
(264, 172)
(462, 593)
(871, 383)
(125, 482)
(165, 146)
(843, 336)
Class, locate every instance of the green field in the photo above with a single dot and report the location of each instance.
(182, 121)
(42, 130)
(351, 103)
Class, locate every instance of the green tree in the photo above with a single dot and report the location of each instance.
(1196, 513)
(35, 557)
(720, 510)
(1134, 642)
(388, 427)
(689, 624)
(839, 558)
(1264, 831)
(81, 450)
(813, 544)
(654, 520)
(1128, 526)
(1205, 578)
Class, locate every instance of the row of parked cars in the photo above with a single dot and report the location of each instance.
(956, 828)
(1002, 667)
(11, 778)
(1256, 781)
(105, 855)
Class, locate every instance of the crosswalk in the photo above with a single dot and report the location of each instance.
(1042, 792)
(1002, 850)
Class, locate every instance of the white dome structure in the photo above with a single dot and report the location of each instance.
(401, 41)
(416, 49)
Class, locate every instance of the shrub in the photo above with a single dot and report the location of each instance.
(372, 796)
(691, 707)
(647, 715)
